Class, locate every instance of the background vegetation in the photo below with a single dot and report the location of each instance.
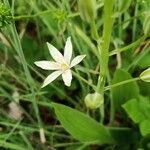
(23, 41)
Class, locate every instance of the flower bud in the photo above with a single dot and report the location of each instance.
(145, 75)
(87, 10)
(94, 100)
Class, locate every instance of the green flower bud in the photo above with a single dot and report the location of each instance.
(5, 15)
(145, 75)
(87, 10)
(94, 100)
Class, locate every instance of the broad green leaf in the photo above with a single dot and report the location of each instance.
(125, 92)
(145, 127)
(138, 109)
(81, 126)
(132, 107)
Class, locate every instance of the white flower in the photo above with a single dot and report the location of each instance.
(62, 64)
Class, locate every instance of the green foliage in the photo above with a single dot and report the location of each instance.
(114, 31)
(138, 110)
(123, 5)
(123, 93)
(5, 15)
(144, 127)
(81, 126)
(87, 10)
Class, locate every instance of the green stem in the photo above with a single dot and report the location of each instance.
(104, 50)
(104, 55)
(41, 13)
(134, 29)
(121, 83)
(31, 16)
(79, 77)
(94, 32)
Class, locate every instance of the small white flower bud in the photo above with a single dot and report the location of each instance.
(94, 100)
(145, 75)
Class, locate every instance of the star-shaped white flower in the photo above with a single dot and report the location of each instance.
(62, 64)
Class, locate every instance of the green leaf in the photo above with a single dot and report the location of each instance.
(144, 88)
(144, 62)
(123, 5)
(123, 136)
(132, 107)
(146, 24)
(145, 127)
(81, 126)
(125, 92)
(138, 109)
(87, 10)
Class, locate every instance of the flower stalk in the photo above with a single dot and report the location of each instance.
(104, 48)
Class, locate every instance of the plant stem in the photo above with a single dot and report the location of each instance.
(121, 83)
(104, 49)
(42, 13)
(84, 80)
(94, 30)
(31, 16)
(135, 20)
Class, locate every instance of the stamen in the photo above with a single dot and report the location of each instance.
(64, 67)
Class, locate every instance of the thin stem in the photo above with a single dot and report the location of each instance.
(79, 77)
(135, 21)
(31, 16)
(121, 83)
(41, 13)
(94, 31)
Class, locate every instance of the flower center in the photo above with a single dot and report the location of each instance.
(64, 67)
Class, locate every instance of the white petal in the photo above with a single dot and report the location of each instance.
(47, 65)
(57, 56)
(68, 50)
(77, 60)
(67, 77)
(51, 78)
